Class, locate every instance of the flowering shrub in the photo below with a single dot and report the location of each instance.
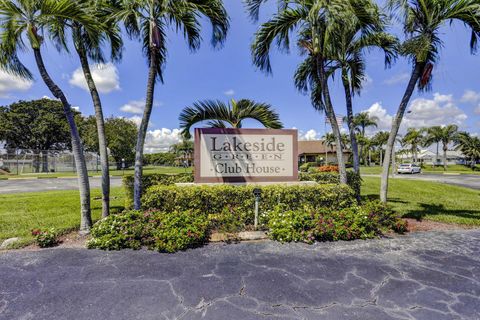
(310, 224)
(45, 238)
(164, 232)
(326, 169)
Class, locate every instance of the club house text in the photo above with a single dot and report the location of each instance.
(246, 155)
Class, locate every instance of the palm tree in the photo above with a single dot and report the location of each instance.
(148, 20)
(89, 46)
(445, 135)
(434, 135)
(422, 22)
(21, 20)
(221, 115)
(469, 146)
(329, 141)
(414, 138)
(348, 48)
(314, 22)
(361, 121)
(381, 139)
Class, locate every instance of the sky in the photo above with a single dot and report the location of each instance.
(227, 73)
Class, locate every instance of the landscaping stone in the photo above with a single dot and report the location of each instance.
(7, 243)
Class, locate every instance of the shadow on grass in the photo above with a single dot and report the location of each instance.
(373, 197)
(439, 209)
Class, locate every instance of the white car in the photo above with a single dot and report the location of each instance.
(409, 168)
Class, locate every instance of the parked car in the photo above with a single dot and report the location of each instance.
(409, 168)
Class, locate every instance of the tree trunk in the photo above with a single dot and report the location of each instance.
(77, 149)
(44, 161)
(445, 149)
(102, 139)
(351, 126)
(381, 156)
(333, 122)
(396, 126)
(142, 132)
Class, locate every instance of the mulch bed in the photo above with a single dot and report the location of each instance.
(415, 225)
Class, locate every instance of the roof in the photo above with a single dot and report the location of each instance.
(314, 147)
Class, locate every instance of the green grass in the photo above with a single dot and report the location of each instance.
(146, 170)
(429, 200)
(451, 169)
(22, 212)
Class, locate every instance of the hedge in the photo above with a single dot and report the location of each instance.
(353, 179)
(214, 199)
(151, 180)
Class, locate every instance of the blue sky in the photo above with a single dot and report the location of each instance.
(228, 73)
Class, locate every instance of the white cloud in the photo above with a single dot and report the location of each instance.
(105, 76)
(160, 140)
(134, 106)
(309, 135)
(477, 110)
(441, 110)
(136, 119)
(10, 83)
(229, 92)
(398, 78)
(471, 96)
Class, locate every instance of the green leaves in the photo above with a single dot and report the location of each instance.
(219, 114)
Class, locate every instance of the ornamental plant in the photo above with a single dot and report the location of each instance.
(45, 238)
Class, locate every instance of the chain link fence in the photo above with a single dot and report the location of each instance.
(21, 161)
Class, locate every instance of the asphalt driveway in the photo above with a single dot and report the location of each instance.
(463, 180)
(418, 276)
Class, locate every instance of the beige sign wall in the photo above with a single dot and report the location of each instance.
(243, 155)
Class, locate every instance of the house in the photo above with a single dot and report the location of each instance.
(317, 150)
(428, 157)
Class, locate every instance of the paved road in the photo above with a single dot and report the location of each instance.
(464, 180)
(418, 276)
(37, 185)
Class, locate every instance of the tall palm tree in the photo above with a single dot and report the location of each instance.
(446, 135)
(422, 22)
(381, 139)
(314, 22)
(221, 115)
(329, 141)
(434, 135)
(414, 138)
(469, 146)
(89, 46)
(347, 50)
(25, 19)
(361, 121)
(148, 20)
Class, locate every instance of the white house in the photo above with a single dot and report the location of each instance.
(429, 157)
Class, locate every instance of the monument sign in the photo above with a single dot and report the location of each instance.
(245, 155)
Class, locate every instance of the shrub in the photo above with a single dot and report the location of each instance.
(307, 165)
(45, 238)
(324, 169)
(151, 180)
(164, 232)
(312, 224)
(353, 180)
(213, 199)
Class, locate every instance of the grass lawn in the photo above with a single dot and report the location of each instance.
(451, 169)
(22, 212)
(429, 200)
(146, 170)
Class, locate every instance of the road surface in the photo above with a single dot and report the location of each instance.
(37, 185)
(464, 180)
(419, 276)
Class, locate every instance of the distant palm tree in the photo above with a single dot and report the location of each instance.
(381, 139)
(469, 146)
(445, 135)
(362, 121)
(423, 22)
(20, 20)
(414, 138)
(148, 21)
(221, 115)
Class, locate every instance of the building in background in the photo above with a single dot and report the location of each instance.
(318, 151)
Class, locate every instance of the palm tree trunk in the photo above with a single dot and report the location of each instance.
(351, 126)
(77, 148)
(333, 122)
(102, 139)
(142, 132)
(396, 126)
(445, 149)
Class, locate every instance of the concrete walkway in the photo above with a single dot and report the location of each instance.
(418, 276)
